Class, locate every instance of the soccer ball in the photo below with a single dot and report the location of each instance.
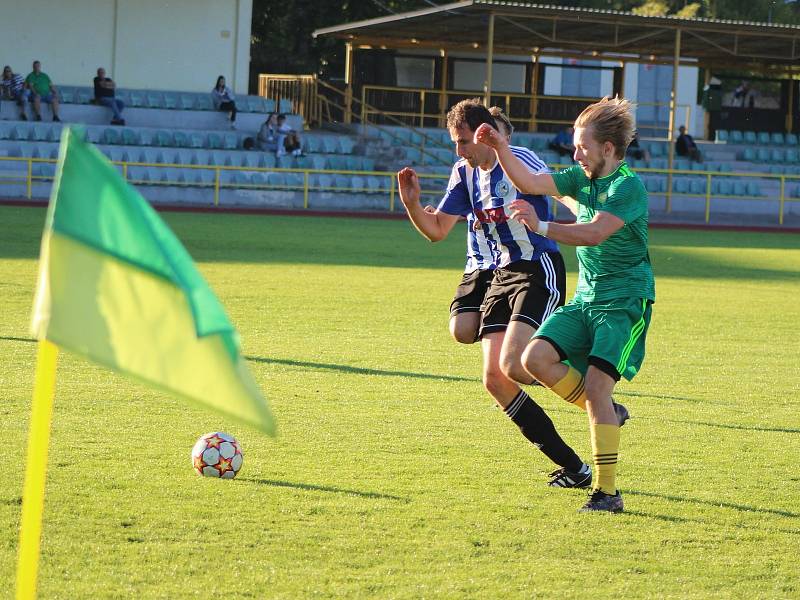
(217, 454)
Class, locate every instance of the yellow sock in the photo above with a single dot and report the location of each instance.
(605, 447)
(571, 388)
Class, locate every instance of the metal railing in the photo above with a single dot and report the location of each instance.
(26, 176)
(521, 109)
(300, 90)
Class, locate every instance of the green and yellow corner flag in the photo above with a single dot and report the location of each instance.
(116, 286)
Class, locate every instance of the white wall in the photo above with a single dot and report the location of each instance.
(154, 44)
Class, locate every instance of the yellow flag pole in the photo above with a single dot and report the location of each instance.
(30, 529)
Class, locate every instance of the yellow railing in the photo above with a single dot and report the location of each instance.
(300, 90)
(28, 179)
(420, 116)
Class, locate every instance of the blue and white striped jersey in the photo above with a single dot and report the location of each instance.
(483, 197)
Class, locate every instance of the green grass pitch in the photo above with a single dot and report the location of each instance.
(393, 475)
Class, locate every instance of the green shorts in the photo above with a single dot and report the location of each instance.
(608, 335)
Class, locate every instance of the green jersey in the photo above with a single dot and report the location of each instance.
(619, 267)
(40, 83)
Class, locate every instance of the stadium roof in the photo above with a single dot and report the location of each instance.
(546, 29)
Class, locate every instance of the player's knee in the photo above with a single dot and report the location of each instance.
(463, 335)
(512, 368)
(495, 381)
(536, 358)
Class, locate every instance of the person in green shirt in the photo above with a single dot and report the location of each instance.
(583, 349)
(39, 88)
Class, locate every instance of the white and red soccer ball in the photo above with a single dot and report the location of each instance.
(217, 454)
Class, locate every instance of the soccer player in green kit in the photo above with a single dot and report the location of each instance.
(602, 330)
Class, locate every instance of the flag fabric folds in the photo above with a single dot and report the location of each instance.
(116, 286)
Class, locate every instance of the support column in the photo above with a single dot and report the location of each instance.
(348, 82)
(443, 89)
(534, 106)
(487, 86)
(706, 115)
(790, 109)
(673, 105)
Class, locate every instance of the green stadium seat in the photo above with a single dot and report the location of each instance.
(111, 136)
(162, 138)
(778, 139)
(749, 154)
(170, 100)
(697, 186)
(230, 142)
(736, 136)
(764, 138)
(180, 139)
(214, 141)
(680, 185)
(155, 100)
(197, 140)
(130, 137)
(791, 139)
(762, 154)
(792, 156)
(750, 137)
(777, 155)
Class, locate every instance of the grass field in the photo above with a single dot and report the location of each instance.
(393, 475)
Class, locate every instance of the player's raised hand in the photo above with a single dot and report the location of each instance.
(524, 212)
(408, 184)
(486, 134)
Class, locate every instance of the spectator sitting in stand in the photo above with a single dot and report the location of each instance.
(562, 142)
(635, 150)
(291, 140)
(223, 99)
(105, 95)
(39, 88)
(267, 138)
(13, 88)
(685, 146)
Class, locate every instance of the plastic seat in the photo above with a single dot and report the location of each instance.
(196, 140)
(155, 100)
(130, 137)
(181, 139)
(750, 137)
(736, 136)
(83, 95)
(337, 163)
(721, 135)
(111, 136)
(749, 154)
(186, 102)
(269, 105)
(170, 100)
(162, 138)
(249, 160)
(320, 181)
(680, 185)
(739, 188)
(764, 138)
(726, 187)
(777, 155)
(341, 183)
(346, 145)
(358, 183)
(368, 164)
(697, 186)
(230, 142)
(267, 161)
(276, 179)
(284, 162)
(42, 132)
(137, 99)
(203, 102)
(777, 138)
(753, 188)
(330, 144)
(792, 156)
(285, 106)
(763, 155)
(791, 139)
(214, 141)
(66, 94)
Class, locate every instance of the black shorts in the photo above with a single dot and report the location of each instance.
(527, 291)
(470, 292)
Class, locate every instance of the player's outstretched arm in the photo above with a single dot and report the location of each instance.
(432, 224)
(518, 173)
(599, 229)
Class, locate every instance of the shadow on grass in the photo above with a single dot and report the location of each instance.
(10, 338)
(322, 488)
(739, 507)
(659, 396)
(356, 370)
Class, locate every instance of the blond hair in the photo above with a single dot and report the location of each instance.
(501, 117)
(611, 120)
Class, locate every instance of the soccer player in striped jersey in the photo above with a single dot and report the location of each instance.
(530, 285)
(603, 328)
